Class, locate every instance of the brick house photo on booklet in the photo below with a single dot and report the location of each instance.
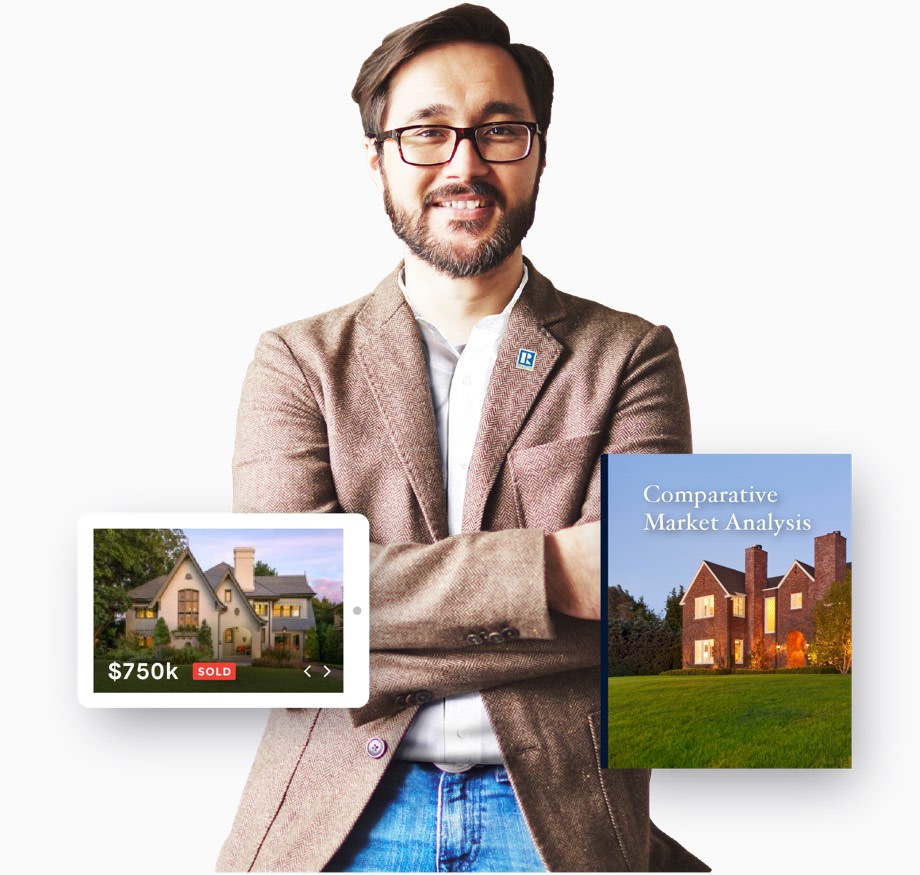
(709, 660)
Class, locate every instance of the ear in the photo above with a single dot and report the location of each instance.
(373, 157)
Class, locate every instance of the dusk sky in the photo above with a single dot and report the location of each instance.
(316, 552)
(649, 563)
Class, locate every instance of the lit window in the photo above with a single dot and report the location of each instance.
(261, 609)
(228, 595)
(145, 613)
(705, 606)
(144, 640)
(188, 607)
(703, 651)
(796, 601)
(738, 605)
(769, 615)
(228, 636)
(285, 610)
(739, 651)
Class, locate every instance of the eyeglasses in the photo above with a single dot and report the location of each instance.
(495, 142)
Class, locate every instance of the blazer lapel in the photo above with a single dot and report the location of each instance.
(393, 359)
(512, 390)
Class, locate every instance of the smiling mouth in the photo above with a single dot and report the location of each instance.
(465, 205)
(464, 198)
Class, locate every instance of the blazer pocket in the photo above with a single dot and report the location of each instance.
(626, 797)
(551, 480)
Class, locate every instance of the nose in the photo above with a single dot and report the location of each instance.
(466, 163)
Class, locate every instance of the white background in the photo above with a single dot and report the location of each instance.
(177, 177)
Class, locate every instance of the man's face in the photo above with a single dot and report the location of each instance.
(467, 216)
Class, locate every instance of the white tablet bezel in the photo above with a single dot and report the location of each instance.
(355, 611)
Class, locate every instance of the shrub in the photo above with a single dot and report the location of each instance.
(331, 645)
(311, 644)
(186, 655)
(639, 646)
(808, 669)
(279, 657)
(205, 639)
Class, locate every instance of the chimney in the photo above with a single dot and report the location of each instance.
(244, 562)
(755, 579)
(830, 561)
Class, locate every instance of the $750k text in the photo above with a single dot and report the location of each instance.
(157, 671)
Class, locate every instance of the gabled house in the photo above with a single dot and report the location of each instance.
(247, 614)
(727, 613)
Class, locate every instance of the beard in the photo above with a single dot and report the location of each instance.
(454, 259)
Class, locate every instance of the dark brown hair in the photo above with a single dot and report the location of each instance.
(465, 23)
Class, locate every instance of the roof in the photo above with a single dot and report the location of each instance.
(731, 579)
(773, 582)
(293, 624)
(284, 584)
(265, 586)
(147, 591)
(152, 590)
(290, 585)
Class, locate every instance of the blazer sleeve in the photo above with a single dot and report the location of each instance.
(423, 596)
(422, 617)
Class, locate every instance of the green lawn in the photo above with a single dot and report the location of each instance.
(249, 679)
(730, 721)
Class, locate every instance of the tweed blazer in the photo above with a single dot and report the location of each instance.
(336, 415)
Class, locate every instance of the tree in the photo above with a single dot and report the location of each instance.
(324, 611)
(108, 602)
(331, 645)
(638, 640)
(130, 557)
(639, 646)
(161, 636)
(263, 569)
(644, 612)
(123, 559)
(205, 638)
(311, 644)
(673, 610)
(833, 644)
(760, 656)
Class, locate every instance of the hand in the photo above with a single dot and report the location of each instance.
(573, 571)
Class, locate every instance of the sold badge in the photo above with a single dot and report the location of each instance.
(214, 671)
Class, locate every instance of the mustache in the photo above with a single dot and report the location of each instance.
(457, 191)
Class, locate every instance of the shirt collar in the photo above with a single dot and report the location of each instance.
(495, 322)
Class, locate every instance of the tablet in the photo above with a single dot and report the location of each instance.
(179, 610)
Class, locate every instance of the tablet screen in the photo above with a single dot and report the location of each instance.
(223, 610)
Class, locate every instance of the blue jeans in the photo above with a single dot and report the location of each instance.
(421, 819)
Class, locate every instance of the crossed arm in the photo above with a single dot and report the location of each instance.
(426, 599)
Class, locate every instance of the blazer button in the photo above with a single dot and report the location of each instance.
(376, 748)
(473, 638)
(423, 696)
(510, 633)
(400, 699)
(496, 638)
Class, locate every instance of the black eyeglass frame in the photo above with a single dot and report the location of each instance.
(459, 134)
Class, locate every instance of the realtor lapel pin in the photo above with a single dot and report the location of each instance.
(525, 359)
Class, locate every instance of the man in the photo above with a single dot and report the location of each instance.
(462, 407)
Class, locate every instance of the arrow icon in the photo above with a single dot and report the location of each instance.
(328, 671)
(306, 671)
